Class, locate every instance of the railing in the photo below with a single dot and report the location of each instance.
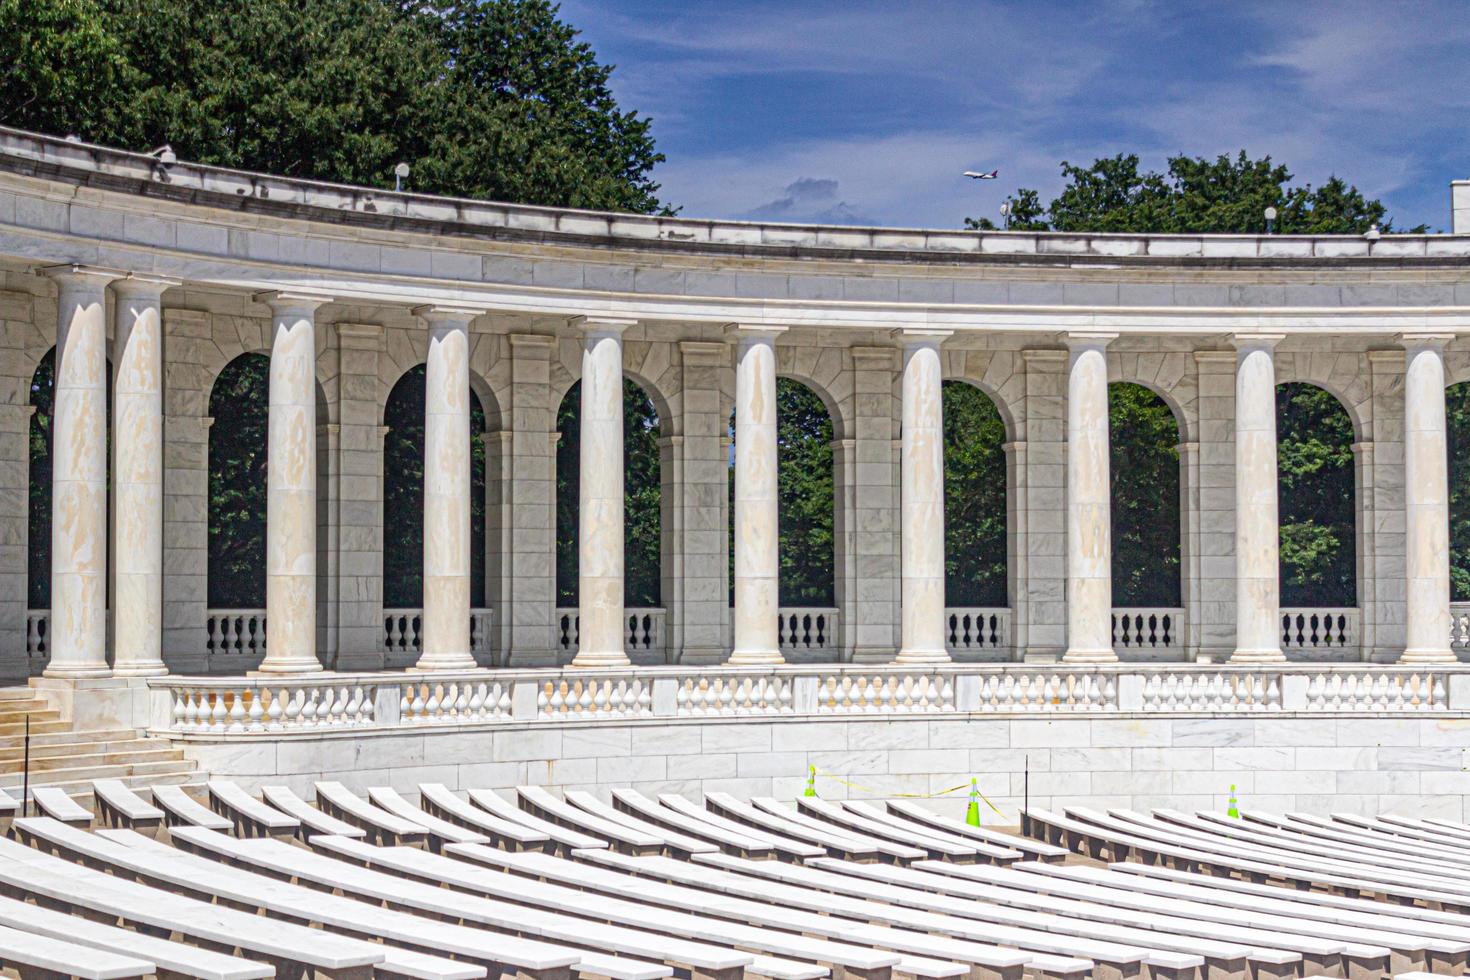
(1147, 629)
(1460, 626)
(801, 628)
(238, 632)
(1320, 629)
(643, 629)
(259, 705)
(973, 629)
(403, 630)
(38, 634)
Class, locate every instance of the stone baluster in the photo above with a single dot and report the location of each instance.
(79, 475)
(757, 583)
(137, 472)
(922, 498)
(1089, 502)
(600, 513)
(1426, 502)
(1257, 535)
(446, 617)
(290, 515)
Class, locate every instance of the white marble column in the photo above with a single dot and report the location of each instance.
(137, 474)
(446, 623)
(79, 475)
(921, 499)
(757, 521)
(1426, 502)
(1257, 528)
(1089, 502)
(290, 509)
(600, 527)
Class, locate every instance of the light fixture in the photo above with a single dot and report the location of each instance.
(1270, 219)
(400, 173)
(1372, 234)
(1005, 213)
(164, 154)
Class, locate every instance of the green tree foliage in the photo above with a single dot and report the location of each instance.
(1316, 497)
(483, 98)
(237, 475)
(403, 495)
(974, 498)
(642, 497)
(805, 495)
(1195, 195)
(1457, 411)
(1144, 468)
(43, 394)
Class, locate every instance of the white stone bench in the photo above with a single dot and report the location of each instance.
(787, 847)
(561, 837)
(634, 803)
(440, 801)
(119, 806)
(675, 844)
(1443, 946)
(311, 820)
(37, 956)
(168, 955)
(982, 849)
(182, 810)
(441, 832)
(629, 922)
(56, 804)
(292, 947)
(379, 825)
(251, 818)
(539, 803)
(857, 822)
(1267, 935)
(909, 810)
(832, 842)
(884, 848)
(127, 851)
(720, 918)
(801, 887)
(1368, 839)
(1410, 828)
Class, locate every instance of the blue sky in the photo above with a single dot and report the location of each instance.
(866, 112)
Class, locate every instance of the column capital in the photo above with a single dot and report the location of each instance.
(142, 285)
(450, 312)
(712, 353)
(1426, 339)
(920, 336)
(755, 331)
(601, 325)
(530, 341)
(75, 272)
(1088, 339)
(359, 336)
(1214, 357)
(292, 300)
(1253, 340)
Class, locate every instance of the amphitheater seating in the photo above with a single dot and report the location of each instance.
(56, 804)
(454, 888)
(910, 811)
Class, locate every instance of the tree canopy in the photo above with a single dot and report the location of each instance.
(974, 498)
(1194, 195)
(482, 98)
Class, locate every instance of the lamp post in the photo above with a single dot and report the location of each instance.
(1270, 220)
(1005, 214)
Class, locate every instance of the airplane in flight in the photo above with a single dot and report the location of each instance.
(977, 175)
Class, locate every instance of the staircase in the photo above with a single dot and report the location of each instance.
(71, 759)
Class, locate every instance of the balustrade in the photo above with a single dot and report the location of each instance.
(643, 629)
(1148, 629)
(1322, 629)
(973, 629)
(239, 632)
(403, 630)
(38, 634)
(1460, 626)
(807, 628)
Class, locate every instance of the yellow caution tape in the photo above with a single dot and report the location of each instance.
(907, 796)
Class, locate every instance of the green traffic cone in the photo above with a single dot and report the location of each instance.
(1233, 810)
(972, 812)
(811, 781)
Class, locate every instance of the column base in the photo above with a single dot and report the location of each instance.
(457, 661)
(1428, 656)
(1270, 655)
(1080, 655)
(269, 668)
(141, 670)
(755, 658)
(66, 673)
(922, 657)
(602, 661)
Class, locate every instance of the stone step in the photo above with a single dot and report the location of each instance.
(27, 705)
(78, 745)
(36, 717)
(94, 759)
(18, 729)
(16, 694)
(85, 774)
(66, 735)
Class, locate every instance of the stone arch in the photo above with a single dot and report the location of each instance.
(1344, 376)
(1317, 497)
(999, 376)
(403, 494)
